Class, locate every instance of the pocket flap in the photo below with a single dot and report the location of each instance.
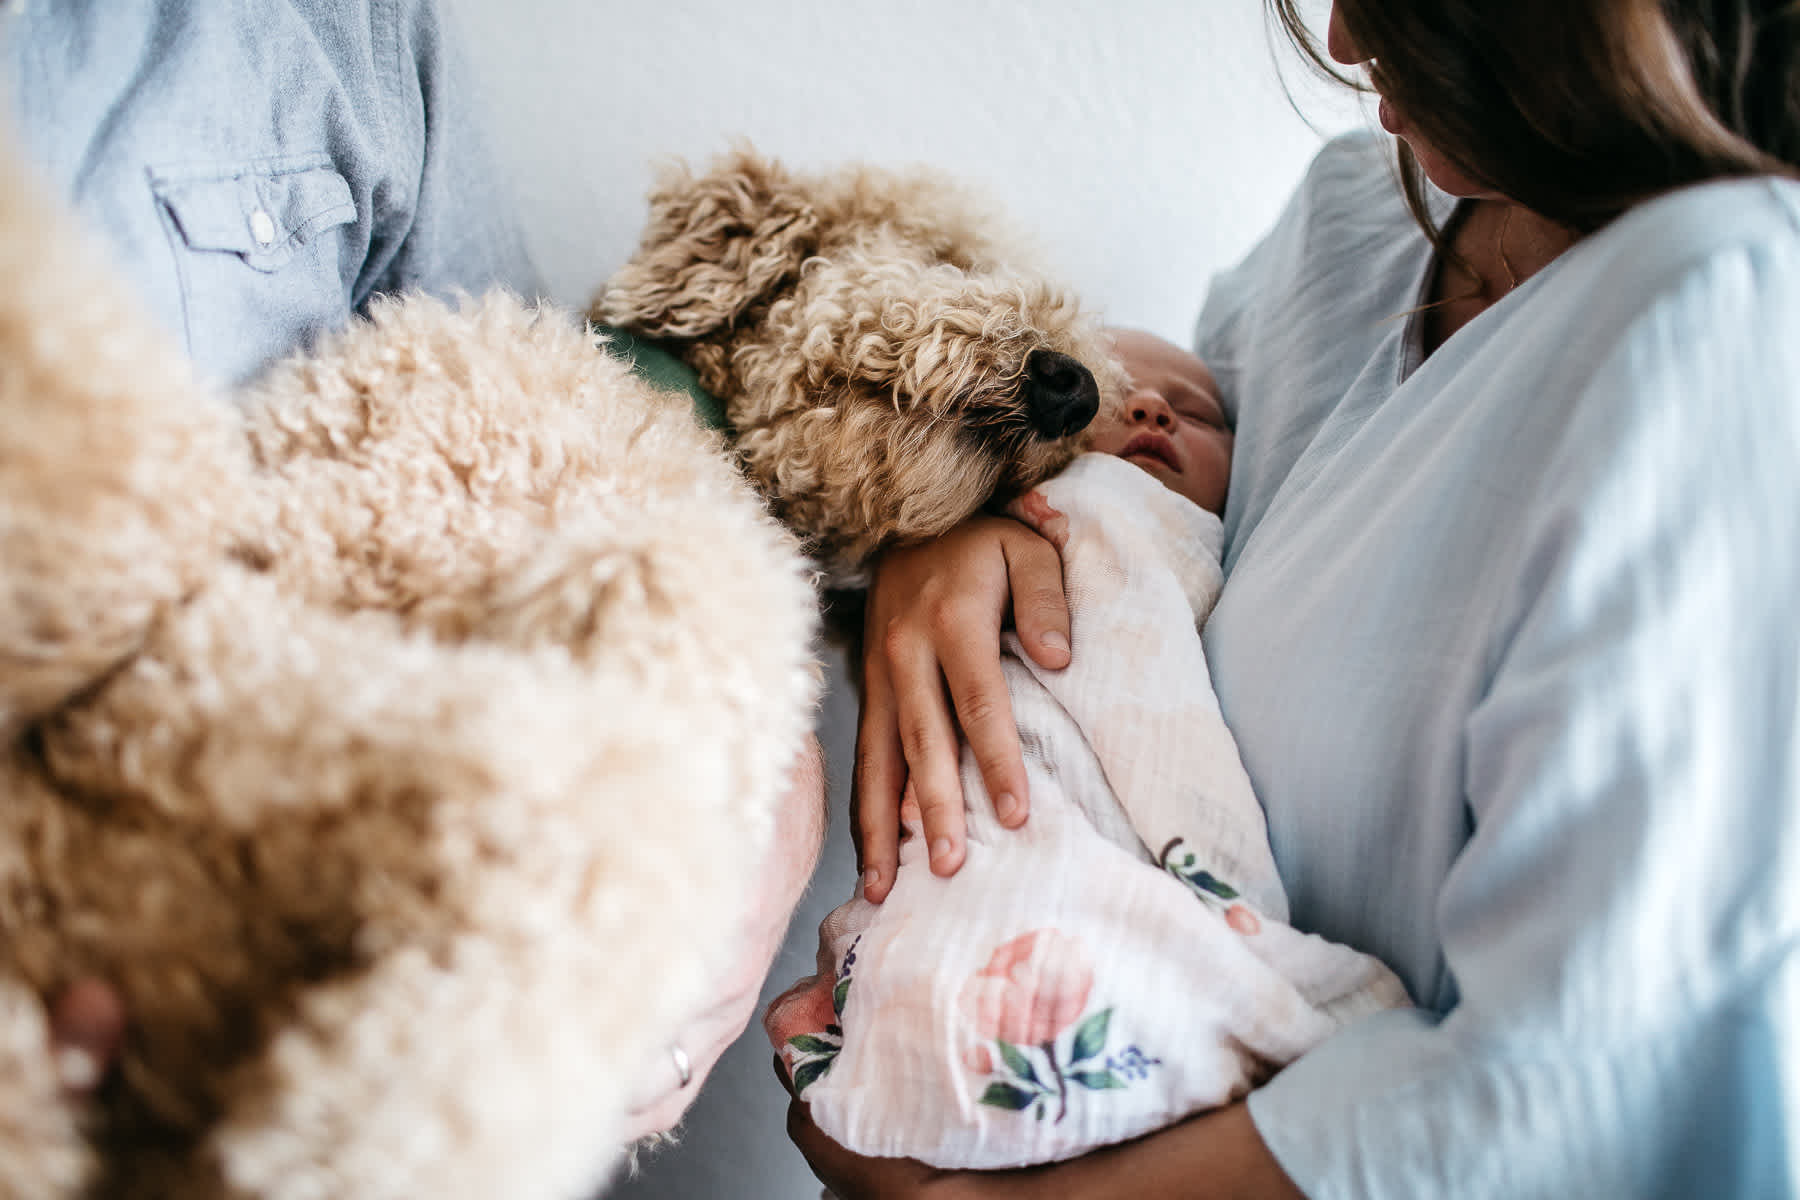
(259, 214)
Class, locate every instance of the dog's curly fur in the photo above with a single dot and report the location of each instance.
(388, 751)
(868, 332)
(386, 737)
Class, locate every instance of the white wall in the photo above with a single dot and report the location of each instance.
(1143, 144)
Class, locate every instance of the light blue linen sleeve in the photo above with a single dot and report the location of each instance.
(1622, 927)
(1325, 287)
(261, 169)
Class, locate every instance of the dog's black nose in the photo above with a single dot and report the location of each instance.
(1059, 394)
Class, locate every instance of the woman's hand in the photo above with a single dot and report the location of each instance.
(931, 664)
(1215, 1156)
(850, 1176)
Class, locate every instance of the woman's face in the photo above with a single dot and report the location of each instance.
(1437, 168)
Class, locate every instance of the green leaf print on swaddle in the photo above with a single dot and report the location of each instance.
(1033, 989)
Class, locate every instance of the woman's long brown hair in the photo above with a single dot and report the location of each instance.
(1581, 109)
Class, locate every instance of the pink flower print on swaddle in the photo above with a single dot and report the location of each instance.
(1033, 989)
(805, 1022)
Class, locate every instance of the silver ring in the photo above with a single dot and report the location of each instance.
(684, 1070)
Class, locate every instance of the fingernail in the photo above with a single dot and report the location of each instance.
(77, 1068)
(871, 877)
(940, 849)
(1007, 806)
(1056, 641)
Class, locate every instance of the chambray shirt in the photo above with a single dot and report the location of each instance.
(1510, 641)
(262, 168)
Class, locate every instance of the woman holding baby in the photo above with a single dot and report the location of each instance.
(1508, 637)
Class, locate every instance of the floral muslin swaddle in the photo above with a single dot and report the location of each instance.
(1124, 959)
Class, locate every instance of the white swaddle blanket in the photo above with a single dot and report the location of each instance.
(1121, 961)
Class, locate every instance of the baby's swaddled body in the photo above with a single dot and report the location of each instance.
(1121, 961)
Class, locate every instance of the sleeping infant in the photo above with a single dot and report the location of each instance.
(1124, 958)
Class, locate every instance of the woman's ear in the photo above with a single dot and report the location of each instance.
(716, 243)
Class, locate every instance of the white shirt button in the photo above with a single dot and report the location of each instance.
(262, 227)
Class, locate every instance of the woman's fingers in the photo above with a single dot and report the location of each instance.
(905, 747)
(1028, 574)
(1040, 607)
(932, 679)
(928, 735)
(977, 688)
(879, 778)
(851, 1176)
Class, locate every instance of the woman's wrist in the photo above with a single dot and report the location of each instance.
(1215, 1156)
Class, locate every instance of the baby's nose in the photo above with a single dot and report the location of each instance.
(1149, 408)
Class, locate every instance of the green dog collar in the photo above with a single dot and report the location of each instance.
(659, 368)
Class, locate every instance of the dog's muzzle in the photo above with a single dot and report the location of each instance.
(1059, 394)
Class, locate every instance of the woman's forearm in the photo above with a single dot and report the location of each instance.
(1215, 1156)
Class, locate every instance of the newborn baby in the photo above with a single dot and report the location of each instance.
(1123, 960)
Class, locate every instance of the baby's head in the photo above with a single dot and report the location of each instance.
(1172, 423)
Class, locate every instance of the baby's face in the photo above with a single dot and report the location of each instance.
(1172, 425)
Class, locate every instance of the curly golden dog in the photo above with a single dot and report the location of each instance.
(887, 363)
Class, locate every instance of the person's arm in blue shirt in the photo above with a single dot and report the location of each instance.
(457, 229)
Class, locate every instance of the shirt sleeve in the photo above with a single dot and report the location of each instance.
(1622, 924)
(1316, 276)
(1226, 324)
(450, 225)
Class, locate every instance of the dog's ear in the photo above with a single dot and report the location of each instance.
(716, 243)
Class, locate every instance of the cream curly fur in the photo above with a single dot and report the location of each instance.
(391, 750)
(867, 331)
(94, 542)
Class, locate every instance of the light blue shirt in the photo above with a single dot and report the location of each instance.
(1511, 645)
(262, 168)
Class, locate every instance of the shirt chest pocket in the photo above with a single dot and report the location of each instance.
(261, 255)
